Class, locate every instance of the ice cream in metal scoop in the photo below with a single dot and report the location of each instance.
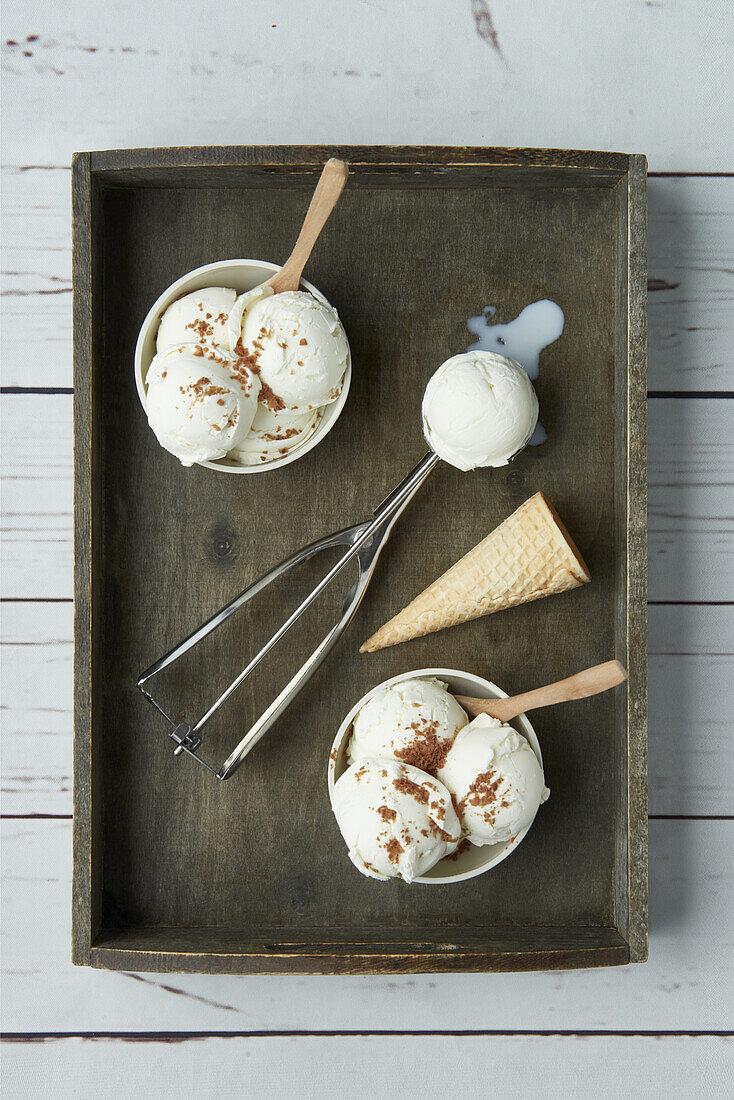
(479, 409)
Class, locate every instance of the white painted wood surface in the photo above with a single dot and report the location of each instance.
(627, 75)
(685, 984)
(636, 75)
(513, 1067)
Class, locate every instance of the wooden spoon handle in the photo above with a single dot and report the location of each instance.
(591, 681)
(328, 190)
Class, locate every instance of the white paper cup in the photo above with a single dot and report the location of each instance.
(241, 275)
(474, 861)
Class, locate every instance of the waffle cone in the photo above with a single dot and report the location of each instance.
(529, 556)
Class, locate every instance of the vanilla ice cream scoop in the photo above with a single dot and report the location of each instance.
(414, 721)
(479, 409)
(496, 781)
(299, 345)
(200, 402)
(274, 435)
(200, 317)
(398, 821)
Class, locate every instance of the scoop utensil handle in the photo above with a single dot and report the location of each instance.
(361, 543)
(325, 197)
(592, 681)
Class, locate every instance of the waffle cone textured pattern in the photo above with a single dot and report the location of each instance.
(529, 556)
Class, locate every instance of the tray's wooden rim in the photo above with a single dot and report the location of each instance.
(83, 924)
(637, 821)
(88, 170)
(111, 161)
(595, 947)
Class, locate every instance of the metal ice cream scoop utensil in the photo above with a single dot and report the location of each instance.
(362, 543)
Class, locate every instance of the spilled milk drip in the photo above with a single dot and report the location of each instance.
(523, 339)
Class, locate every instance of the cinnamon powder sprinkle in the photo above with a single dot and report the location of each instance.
(199, 352)
(440, 833)
(270, 399)
(483, 790)
(406, 786)
(303, 341)
(482, 794)
(274, 437)
(428, 751)
(394, 850)
(164, 373)
(248, 361)
(201, 327)
(386, 813)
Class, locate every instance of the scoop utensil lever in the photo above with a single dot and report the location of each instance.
(362, 542)
(592, 681)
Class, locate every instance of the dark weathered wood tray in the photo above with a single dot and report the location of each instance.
(174, 871)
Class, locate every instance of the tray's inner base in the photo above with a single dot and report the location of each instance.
(406, 266)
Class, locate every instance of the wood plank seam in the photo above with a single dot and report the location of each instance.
(184, 1036)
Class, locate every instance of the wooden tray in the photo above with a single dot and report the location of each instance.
(174, 871)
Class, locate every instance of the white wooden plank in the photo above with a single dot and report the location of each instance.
(690, 724)
(339, 1067)
(691, 284)
(36, 651)
(36, 555)
(691, 473)
(36, 277)
(690, 497)
(687, 984)
(619, 75)
(691, 669)
(691, 259)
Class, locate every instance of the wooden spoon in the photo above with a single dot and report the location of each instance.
(591, 681)
(328, 190)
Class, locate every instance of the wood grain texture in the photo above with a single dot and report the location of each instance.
(691, 301)
(691, 470)
(266, 1068)
(134, 544)
(685, 984)
(619, 78)
(648, 76)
